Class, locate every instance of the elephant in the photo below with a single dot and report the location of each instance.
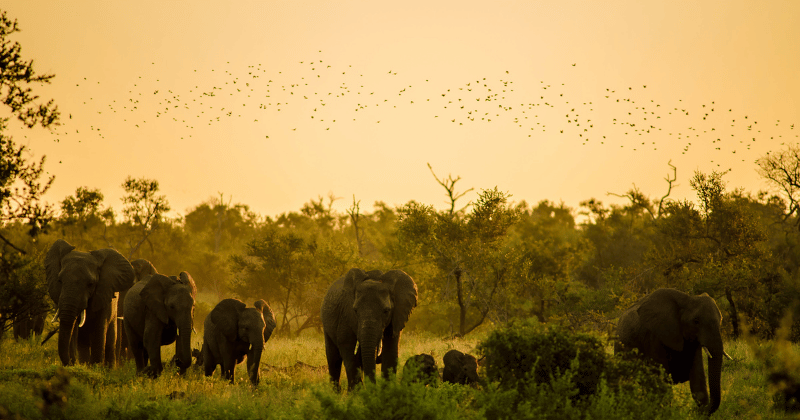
(83, 286)
(672, 328)
(159, 312)
(142, 268)
(233, 331)
(369, 310)
(460, 368)
(421, 368)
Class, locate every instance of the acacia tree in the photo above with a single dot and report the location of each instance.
(715, 246)
(143, 209)
(468, 247)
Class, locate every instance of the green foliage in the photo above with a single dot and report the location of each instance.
(542, 372)
(23, 288)
(394, 399)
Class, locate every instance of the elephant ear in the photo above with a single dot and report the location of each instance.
(660, 315)
(154, 293)
(143, 268)
(115, 275)
(353, 278)
(186, 279)
(52, 266)
(225, 317)
(269, 318)
(404, 295)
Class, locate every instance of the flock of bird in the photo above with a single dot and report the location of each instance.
(621, 117)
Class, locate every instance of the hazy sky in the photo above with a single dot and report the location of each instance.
(277, 102)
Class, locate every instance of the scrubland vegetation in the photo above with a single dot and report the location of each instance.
(486, 270)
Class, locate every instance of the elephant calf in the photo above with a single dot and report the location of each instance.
(460, 368)
(233, 331)
(421, 368)
(159, 312)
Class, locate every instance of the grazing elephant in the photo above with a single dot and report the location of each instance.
(83, 286)
(460, 368)
(233, 331)
(672, 328)
(421, 368)
(142, 268)
(368, 309)
(159, 312)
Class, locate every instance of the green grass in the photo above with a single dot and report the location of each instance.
(289, 390)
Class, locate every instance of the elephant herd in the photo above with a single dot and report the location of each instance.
(95, 290)
(363, 315)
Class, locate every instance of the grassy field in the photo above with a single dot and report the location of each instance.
(294, 385)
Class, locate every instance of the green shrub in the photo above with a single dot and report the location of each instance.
(514, 352)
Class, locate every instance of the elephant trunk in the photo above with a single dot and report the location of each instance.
(66, 333)
(254, 361)
(714, 376)
(184, 348)
(369, 345)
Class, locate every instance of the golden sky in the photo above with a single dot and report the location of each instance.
(548, 100)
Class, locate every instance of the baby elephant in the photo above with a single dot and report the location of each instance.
(460, 368)
(233, 331)
(424, 369)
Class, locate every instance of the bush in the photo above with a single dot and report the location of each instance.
(522, 349)
(548, 373)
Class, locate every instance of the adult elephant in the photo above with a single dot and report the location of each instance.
(83, 286)
(233, 331)
(368, 309)
(142, 268)
(672, 328)
(159, 312)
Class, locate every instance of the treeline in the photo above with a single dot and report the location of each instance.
(476, 264)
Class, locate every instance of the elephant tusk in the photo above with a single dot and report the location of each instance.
(727, 355)
(120, 318)
(194, 331)
(708, 353)
(55, 316)
(82, 319)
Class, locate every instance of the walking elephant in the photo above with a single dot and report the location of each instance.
(369, 310)
(83, 286)
(142, 268)
(460, 368)
(159, 312)
(672, 328)
(233, 331)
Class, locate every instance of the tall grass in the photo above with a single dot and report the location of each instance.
(292, 390)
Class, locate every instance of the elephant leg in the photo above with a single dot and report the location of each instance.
(209, 362)
(84, 343)
(152, 347)
(228, 360)
(136, 348)
(334, 361)
(111, 344)
(352, 365)
(697, 379)
(98, 342)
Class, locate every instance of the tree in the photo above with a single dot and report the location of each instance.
(468, 247)
(20, 188)
(21, 281)
(81, 213)
(143, 210)
(782, 170)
